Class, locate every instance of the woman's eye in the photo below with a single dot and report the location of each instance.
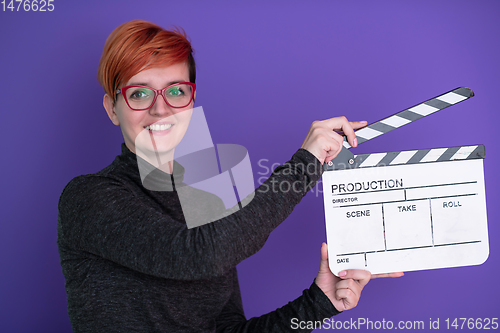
(139, 94)
(176, 91)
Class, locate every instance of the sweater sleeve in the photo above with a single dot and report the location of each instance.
(312, 306)
(101, 216)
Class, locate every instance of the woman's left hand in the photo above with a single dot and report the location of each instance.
(344, 291)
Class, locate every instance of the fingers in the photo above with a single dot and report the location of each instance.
(358, 124)
(348, 292)
(348, 132)
(348, 289)
(346, 127)
(324, 253)
(324, 143)
(323, 266)
(355, 126)
(341, 123)
(362, 276)
(385, 275)
(334, 146)
(348, 298)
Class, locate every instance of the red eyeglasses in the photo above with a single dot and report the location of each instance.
(139, 98)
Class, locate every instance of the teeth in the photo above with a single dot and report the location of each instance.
(158, 127)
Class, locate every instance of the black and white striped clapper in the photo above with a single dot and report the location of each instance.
(411, 114)
(347, 160)
(419, 156)
(406, 210)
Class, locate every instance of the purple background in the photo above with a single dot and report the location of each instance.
(265, 72)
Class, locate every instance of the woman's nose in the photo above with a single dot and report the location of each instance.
(160, 108)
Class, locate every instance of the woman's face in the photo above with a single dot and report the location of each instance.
(136, 125)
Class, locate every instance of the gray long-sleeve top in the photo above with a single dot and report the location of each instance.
(132, 265)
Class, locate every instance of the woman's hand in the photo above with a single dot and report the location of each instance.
(344, 291)
(323, 142)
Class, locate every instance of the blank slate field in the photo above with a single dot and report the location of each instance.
(368, 198)
(361, 229)
(445, 190)
(350, 261)
(453, 220)
(407, 224)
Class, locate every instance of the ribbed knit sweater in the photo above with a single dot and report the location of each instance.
(132, 265)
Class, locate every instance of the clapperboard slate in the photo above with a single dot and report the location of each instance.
(406, 210)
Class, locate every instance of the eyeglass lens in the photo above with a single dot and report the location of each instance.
(178, 95)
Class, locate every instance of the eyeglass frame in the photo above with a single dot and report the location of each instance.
(157, 92)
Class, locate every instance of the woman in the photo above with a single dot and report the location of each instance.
(129, 260)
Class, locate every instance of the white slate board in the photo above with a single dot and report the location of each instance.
(406, 217)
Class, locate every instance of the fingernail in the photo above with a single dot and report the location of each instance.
(355, 142)
(342, 274)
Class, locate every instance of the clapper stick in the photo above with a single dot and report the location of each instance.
(419, 156)
(411, 114)
(347, 160)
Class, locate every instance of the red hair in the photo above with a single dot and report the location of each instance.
(139, 45)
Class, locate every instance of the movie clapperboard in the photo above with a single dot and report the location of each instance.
(406, 210)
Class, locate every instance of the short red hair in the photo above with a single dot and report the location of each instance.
(139, 45)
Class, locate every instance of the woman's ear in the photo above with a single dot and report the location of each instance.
(110, 109)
